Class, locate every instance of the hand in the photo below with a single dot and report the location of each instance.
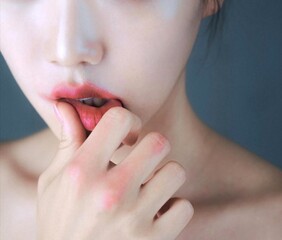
(81, 198)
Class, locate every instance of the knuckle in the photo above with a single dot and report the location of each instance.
(186, 208)
(117, 114)
(159, 141)
(177, 170)
(137, 121)
(137, 231)
(134, 125)
(66, 143)
(41, 184)
(73, 172)
(114, 189)
(109, 199)
(126, 120)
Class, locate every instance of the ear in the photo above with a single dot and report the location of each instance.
(211, 7)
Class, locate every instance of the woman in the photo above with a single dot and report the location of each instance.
(125, 156)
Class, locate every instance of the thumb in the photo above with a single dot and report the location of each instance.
(72, 136)
(72, 131)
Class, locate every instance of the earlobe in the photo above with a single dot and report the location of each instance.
(211, 7)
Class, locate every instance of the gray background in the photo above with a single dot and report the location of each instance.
(236, 89)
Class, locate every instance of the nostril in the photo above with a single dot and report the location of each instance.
(69, 55)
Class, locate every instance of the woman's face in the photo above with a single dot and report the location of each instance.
(134, 49)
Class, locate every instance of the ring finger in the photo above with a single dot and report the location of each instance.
(160, 188)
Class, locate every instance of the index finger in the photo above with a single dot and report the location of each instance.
(118, 125)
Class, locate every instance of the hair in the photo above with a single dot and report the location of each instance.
(215, 22)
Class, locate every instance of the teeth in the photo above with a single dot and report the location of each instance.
(87, 101)
(96, 102)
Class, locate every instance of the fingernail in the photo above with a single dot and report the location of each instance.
(57, 112)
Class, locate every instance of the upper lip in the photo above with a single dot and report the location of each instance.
(86, 90)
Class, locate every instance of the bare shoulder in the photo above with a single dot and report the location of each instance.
(246, 202)
(10, 150)
(27, 151)
(257, 218)
(243, 172)
(16, 160)
(21, 161)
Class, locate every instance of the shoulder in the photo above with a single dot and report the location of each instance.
(12, 149)
(31, 154)
(6, 154)
(233, 172)
(257, 218)
(245, 173)
(28, 146)
(247, 198)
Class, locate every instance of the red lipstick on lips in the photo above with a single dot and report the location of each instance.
(89, 115)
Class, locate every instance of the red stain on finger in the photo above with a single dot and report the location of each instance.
(160, 142)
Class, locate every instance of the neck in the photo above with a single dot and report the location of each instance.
(30, 156)
(191, 140)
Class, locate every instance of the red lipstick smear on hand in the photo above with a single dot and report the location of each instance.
(89, 115)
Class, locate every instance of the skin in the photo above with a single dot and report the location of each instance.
(124, 47)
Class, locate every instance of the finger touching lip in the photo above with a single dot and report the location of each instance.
(90, 115)
(84, 99)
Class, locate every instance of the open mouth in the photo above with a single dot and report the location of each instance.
(91, 110)
(94, 102)
(90, 101)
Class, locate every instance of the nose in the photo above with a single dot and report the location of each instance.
(72, 38)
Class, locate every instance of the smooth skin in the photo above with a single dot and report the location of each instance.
(80, 184)
(171, 178)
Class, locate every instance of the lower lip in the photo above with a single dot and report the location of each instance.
(89, 115)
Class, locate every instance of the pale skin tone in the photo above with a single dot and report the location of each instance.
(214, 189)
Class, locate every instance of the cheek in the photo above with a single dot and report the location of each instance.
(168, 9)
(18, 46)
(25, 66)
(157, 51)
(154, 63)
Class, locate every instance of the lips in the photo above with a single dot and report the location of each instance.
(89, 115)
